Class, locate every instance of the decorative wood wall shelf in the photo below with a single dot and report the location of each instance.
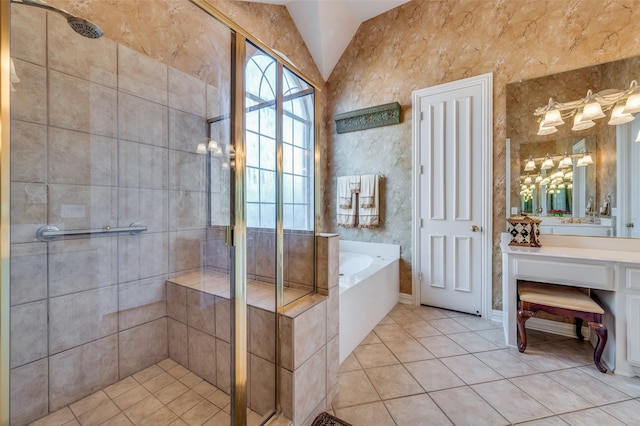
(368, 118)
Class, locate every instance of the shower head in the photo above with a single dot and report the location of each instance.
(81, 26)
(84, 28)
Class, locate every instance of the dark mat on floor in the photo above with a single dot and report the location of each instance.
(326, 419)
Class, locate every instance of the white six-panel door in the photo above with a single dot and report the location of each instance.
(453, 157)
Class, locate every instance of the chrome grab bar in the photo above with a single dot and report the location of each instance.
(50, 233)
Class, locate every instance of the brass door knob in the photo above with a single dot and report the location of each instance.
(475, 228)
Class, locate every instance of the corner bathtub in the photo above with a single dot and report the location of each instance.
(369, 289)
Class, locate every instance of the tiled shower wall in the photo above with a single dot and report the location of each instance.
(299, 256)
(101, 135)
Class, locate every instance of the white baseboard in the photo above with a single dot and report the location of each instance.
(556, 327)
(405, 298)
(547, 326)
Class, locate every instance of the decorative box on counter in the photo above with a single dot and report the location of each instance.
(524, 230)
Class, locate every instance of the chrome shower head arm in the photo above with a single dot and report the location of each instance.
(81, 26)
(43, 5)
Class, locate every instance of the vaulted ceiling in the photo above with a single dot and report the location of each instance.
(327, 26)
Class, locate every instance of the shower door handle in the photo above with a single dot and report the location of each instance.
(228, 238)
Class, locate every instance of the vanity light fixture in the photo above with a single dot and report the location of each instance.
(578, 124)
(527, 180)
(545, 181)
(618, 116)
(570, 186)
(547, 163)
(561, 186)
(565, 162)
(543, 130)
(592, 107)
(531, 165)
(633, 101)
(201, 149)
(214, 147)
(539, 179)
(592, 110)
(552, 115)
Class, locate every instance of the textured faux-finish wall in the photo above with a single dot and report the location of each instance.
(178, 40)
(425, 43)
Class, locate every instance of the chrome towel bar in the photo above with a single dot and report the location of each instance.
(50, 233)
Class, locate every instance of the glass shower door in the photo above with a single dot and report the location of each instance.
(264, 242)
(112, 296)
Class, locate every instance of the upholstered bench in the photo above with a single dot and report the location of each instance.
(561, 301)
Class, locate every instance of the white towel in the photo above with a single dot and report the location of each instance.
(344, 193)
(369, 214)
(354, 184)
(346, 204)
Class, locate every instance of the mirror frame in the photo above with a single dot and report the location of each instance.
(573, 85)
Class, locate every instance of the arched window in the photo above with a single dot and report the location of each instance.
(297, 139)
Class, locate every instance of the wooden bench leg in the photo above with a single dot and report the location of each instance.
(523, 316)
(579, 329)
(601, 329)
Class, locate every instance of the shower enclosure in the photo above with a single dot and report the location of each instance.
(160, 184)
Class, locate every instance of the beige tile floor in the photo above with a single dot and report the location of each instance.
(164, 394)
(420, 366)
(425, 366)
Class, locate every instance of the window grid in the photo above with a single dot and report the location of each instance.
(297, 150)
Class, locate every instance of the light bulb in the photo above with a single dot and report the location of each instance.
(531, 165)
(592, 110)
(619, 117)
(544, 130)
(547, 163)
(552, 118)
(633, 102)
(578, 124)
(565, 162)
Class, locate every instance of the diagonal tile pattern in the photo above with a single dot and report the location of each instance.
(164, 394)
(420, 366)
(428, 366)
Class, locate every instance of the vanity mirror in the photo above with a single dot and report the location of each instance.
(575, 173)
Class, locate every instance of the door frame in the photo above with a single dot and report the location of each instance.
(486, 83)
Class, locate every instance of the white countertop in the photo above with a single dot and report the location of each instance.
(582, 248)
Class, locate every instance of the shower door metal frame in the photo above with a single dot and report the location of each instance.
(239, 375)
(5, 194)
(238, 229)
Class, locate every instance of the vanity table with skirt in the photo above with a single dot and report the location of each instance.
(609, 267)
